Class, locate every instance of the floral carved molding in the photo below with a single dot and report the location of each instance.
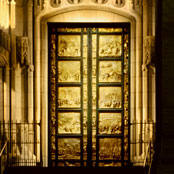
(100, 1)
(118, 3)
(136, 4)
(55, 3)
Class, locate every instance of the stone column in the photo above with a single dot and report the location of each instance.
(149, 44)
(30, 107)
(12, 61)
(138, 84)
(144, 75)
(44, 94)
(7, 99)
(37, 85)
(1, 100)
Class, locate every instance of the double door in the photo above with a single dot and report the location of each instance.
(88, 95)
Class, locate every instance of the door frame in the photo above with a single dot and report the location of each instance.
(104, 15)
(92, 25)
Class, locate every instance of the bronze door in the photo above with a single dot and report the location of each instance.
(89, 95)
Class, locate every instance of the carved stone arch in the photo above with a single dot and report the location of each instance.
(79, 12)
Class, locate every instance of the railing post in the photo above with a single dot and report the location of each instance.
(7, 153)
(0, 165)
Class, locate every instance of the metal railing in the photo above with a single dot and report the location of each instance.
(22, 146)
(142, 143)
(4, 156)
(149, 157)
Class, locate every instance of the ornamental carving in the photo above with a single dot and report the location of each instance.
(137, 5)
(119, 3)
(38, 2)
(100, 1)
(55, 3)
(22, 50)
(149, 48)
(75, 1)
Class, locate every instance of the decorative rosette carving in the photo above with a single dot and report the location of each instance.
(75, 1)
(100, 1)
(119, 3)
(55, 3)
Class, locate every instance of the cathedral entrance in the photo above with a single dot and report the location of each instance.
(89, 94)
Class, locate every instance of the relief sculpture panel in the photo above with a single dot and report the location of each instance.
(69, 46)
(110, 30)
(69, 148)
(68, 122)
(109, 149)
(69, 30)
(67, 72)
(110, 71)
(110, 45)
(110, 97)
(110, 123)
(69, 97)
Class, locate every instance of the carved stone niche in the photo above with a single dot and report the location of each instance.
(119, 3)
(100, 1)
(22, 50)
(75, 1)
(55, 3)
(149, 48)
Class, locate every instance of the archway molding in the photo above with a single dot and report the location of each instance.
(82, 12)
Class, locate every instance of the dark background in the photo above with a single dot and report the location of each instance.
(164, 156)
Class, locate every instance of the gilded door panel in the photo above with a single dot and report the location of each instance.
(69, 97)
(110, 149)
(126, 96)
(89, 97)
(69, 164)
(69, 123)
(109, 164)
(85, 96)
(110, 45)
(69, 46)
(110, 30)
(69, 71)
(69, 148)
(69, 30)
(110, 97)
(110, 123)
(110, 71)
